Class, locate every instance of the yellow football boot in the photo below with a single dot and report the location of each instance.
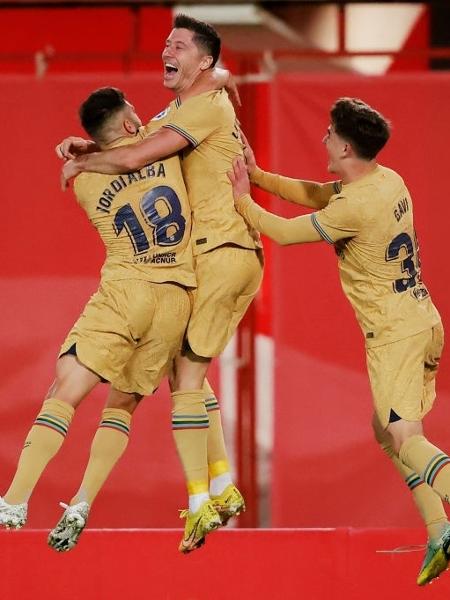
(198, 525)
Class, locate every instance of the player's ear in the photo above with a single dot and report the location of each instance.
(129, 127)
(347, 150)
(206, 62)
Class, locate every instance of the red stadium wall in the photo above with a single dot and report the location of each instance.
(327, 470)
(327, 564)
(69, 39)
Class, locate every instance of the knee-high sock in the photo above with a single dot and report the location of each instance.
(43, 441)
(429, 462)
(427, 501)
(217, 453)
(218, 465)
(109, 443)
(190, 432)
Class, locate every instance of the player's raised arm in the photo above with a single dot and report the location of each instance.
(160, 144)
(307, 193)
(281, 230)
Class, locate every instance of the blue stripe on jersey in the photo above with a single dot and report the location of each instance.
(323, 234)
(189, 138)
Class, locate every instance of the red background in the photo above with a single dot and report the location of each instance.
(324, 453)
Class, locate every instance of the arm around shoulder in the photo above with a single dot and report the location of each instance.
(133, 157)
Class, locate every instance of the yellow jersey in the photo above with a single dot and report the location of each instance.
(370, 222)
(209, 123)
(143, 219)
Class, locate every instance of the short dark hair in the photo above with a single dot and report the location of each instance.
(205, 35)
(99, 107)
(361, 125)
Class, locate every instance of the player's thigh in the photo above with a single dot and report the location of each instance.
(159, 344)
(397, 375)
(228, 279)
(73, 380)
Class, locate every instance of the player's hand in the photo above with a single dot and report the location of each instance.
(239, 178)
(68, 172)
(232, 90)
(73, 146)
(223, 78)
(249, 156)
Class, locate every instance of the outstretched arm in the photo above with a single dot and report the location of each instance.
(281, 230)
(125, 159)
(307, 193)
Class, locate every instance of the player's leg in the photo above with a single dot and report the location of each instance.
(149, 322)
(73, 382)
(427, 501)
(426, 460)
(231, 301)
(84, 359)
(228, 279)
(108, 445)
(412, 393)
(415, 451)
(226, 497)
(190, 425)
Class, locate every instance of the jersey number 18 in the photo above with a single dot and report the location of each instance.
(167, 224)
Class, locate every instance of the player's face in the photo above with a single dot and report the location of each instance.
(335, 146)
(183, 61)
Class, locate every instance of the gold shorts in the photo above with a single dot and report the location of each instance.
(129, 332)
(402, 375)
(228, 278)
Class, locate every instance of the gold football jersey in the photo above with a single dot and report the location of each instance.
(370, 222)
(143, 219)
(209, 123)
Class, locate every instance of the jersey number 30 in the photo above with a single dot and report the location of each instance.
(161, 209)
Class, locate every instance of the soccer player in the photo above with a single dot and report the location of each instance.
(368, 217)
(132, 327)
(203, 128)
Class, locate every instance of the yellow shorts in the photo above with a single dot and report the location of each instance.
(129, 332)
(228, 279)
(402, 375)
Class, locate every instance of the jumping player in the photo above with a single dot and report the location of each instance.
(228, 266)
(368, 217)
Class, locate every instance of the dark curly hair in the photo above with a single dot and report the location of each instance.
(361, 125)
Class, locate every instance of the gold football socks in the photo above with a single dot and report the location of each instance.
(429, 462)
(108, 445)
(427, 501)
(190, 431)
(43, 441)
(218, 466)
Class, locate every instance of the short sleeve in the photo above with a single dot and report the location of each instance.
(196, 119)
(342, 218)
